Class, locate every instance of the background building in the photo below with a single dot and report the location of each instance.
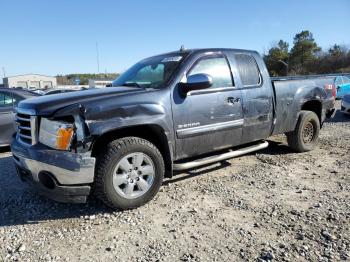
(99, 83)
(30, 81)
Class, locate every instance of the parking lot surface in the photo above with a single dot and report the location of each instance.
(272, 205)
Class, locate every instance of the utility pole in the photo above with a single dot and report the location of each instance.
(97, 58)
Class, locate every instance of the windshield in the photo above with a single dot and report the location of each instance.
(152, 72)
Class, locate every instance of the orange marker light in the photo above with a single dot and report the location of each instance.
(64, 137)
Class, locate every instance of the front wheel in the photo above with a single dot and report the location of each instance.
(129, 173)
(305, 135)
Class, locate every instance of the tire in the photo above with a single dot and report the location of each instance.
(305, 136)
(118, 187)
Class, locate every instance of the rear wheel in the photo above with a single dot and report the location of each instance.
(305, 135)
(129, 173)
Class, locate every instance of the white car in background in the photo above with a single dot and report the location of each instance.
(345, 104)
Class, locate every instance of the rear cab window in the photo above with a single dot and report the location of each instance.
(248, 70)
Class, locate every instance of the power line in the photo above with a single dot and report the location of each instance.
(97, 58)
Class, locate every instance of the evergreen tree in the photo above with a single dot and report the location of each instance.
(304, 52)
(277, 59)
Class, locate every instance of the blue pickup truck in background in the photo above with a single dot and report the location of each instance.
(342, 84)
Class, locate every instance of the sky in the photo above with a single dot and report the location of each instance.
(53, 37)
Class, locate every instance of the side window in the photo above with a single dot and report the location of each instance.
(2, 99)
(248, 70)
(17, 99)
(346, 80)
(338, 81)
(217, 68)
(5, 100)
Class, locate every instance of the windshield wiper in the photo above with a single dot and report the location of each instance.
(131, 84)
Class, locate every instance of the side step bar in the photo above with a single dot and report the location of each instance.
(221, 157)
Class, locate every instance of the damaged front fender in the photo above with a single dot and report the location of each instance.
(126, 116)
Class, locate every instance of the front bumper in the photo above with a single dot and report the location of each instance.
(60, 175)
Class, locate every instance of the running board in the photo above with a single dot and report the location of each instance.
(221, 157)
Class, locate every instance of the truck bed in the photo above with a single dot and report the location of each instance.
(287, 92)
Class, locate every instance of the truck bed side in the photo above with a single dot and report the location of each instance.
(291, 95)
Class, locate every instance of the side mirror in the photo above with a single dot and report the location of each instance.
(196, 82)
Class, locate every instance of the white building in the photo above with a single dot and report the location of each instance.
(30, 81)
(99, 83)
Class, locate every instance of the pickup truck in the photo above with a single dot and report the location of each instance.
(169, 112)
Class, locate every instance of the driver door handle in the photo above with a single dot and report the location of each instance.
(233, 100)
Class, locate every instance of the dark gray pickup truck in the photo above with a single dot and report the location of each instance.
(169, 112)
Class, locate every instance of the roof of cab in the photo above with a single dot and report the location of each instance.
(204, 50)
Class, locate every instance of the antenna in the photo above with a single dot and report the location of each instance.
(97, 58)
(182, 48)
(3, 71)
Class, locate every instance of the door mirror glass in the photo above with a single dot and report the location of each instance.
(196, 82)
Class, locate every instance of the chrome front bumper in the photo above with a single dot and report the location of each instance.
(82, 175)
(71, 173)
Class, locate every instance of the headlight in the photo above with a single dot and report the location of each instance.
(56, 134)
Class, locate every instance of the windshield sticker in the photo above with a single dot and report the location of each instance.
(172, 59)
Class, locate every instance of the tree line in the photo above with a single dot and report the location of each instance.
(306, 57)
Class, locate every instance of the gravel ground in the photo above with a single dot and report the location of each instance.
(273, 205)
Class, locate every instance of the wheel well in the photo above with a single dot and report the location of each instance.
(314, 106)
(152, 133)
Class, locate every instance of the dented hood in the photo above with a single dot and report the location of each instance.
(48, 105)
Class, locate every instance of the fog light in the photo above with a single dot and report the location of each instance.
(46, 179)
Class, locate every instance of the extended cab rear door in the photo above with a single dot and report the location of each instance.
(209, 119)
(257, 94)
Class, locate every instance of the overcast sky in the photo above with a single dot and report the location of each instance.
(59, 37)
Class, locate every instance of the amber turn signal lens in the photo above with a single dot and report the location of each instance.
(64, 137)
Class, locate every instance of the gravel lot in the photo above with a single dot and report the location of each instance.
(273, 205)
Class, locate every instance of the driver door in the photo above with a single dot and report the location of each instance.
(209, 119)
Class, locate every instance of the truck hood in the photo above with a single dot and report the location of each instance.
(47, 105)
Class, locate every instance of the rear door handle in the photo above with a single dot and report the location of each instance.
(233, 100)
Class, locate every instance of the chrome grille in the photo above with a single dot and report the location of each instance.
(26, 128)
